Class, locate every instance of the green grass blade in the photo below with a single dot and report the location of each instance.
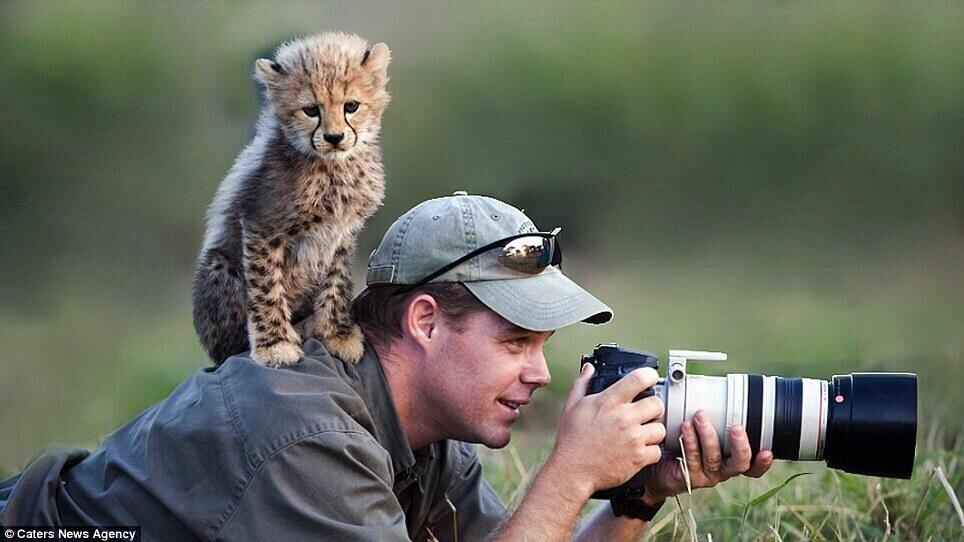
(766, 495)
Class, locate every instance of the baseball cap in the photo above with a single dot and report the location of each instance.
(439, 231)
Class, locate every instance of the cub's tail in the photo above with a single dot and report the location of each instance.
(220, 315)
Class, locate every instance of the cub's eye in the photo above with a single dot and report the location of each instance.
(351, 106)
(311, 110)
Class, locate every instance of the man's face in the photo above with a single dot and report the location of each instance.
(477, 379)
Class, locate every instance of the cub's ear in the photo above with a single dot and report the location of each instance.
(377, 58)
(268, 71)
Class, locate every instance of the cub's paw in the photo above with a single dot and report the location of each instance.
(349, 346)
(278, 354)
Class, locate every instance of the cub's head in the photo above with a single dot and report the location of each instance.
(327, 92)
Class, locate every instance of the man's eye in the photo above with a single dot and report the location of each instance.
(351, 106)
(311, 110)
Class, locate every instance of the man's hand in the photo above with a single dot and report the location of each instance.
(604, 439)
(704, 460)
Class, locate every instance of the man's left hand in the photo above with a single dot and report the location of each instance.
(704, 460)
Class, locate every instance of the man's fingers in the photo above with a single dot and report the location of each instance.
(648, 409)
(628, 387)
(709, 442)
(763, 462)
(580, 385)
(740, 453)
(653, 454)
(691, 448)
(653, 433)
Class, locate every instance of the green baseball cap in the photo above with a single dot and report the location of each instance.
(438, 232)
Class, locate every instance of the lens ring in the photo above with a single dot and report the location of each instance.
(787, 418)
(754, 410)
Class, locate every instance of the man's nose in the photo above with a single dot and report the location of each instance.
(334, 139)
(537, 372)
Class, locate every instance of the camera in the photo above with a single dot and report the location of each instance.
(863, 423)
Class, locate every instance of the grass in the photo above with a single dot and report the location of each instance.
(825, 505)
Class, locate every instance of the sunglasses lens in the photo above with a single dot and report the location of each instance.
(528, 255)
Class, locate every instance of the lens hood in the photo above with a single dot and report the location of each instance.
(872, 424)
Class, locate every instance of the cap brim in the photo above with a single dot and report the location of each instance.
(543, 302)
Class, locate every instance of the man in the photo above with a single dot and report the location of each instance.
(462, 294)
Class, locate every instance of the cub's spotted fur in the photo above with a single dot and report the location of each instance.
(281, 230)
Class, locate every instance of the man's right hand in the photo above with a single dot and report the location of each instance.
(606, 438)
(603, 440)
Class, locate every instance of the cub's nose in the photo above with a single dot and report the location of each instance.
(334, 139)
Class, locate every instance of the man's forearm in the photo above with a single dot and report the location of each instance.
(548, 510)
(551, 506)
(602, 525)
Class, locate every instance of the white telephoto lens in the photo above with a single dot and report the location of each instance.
(785, 415)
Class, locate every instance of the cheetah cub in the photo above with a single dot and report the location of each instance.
(282, 227)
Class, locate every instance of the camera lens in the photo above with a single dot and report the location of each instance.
(863, 423)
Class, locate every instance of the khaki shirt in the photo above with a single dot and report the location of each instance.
(313, 451)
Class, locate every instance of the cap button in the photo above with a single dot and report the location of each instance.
(460, 193)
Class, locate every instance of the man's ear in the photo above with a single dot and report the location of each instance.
(421, 321)
(376, 61)
(268, 71)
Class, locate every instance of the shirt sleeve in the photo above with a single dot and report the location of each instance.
(329, 486)
(479, 510)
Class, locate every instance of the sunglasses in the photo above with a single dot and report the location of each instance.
(528, 253)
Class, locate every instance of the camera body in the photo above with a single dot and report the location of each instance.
(863, 423)
(611, 363)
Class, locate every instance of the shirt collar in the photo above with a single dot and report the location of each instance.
(388, 428)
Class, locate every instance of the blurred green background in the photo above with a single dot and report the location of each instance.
(782, 181)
